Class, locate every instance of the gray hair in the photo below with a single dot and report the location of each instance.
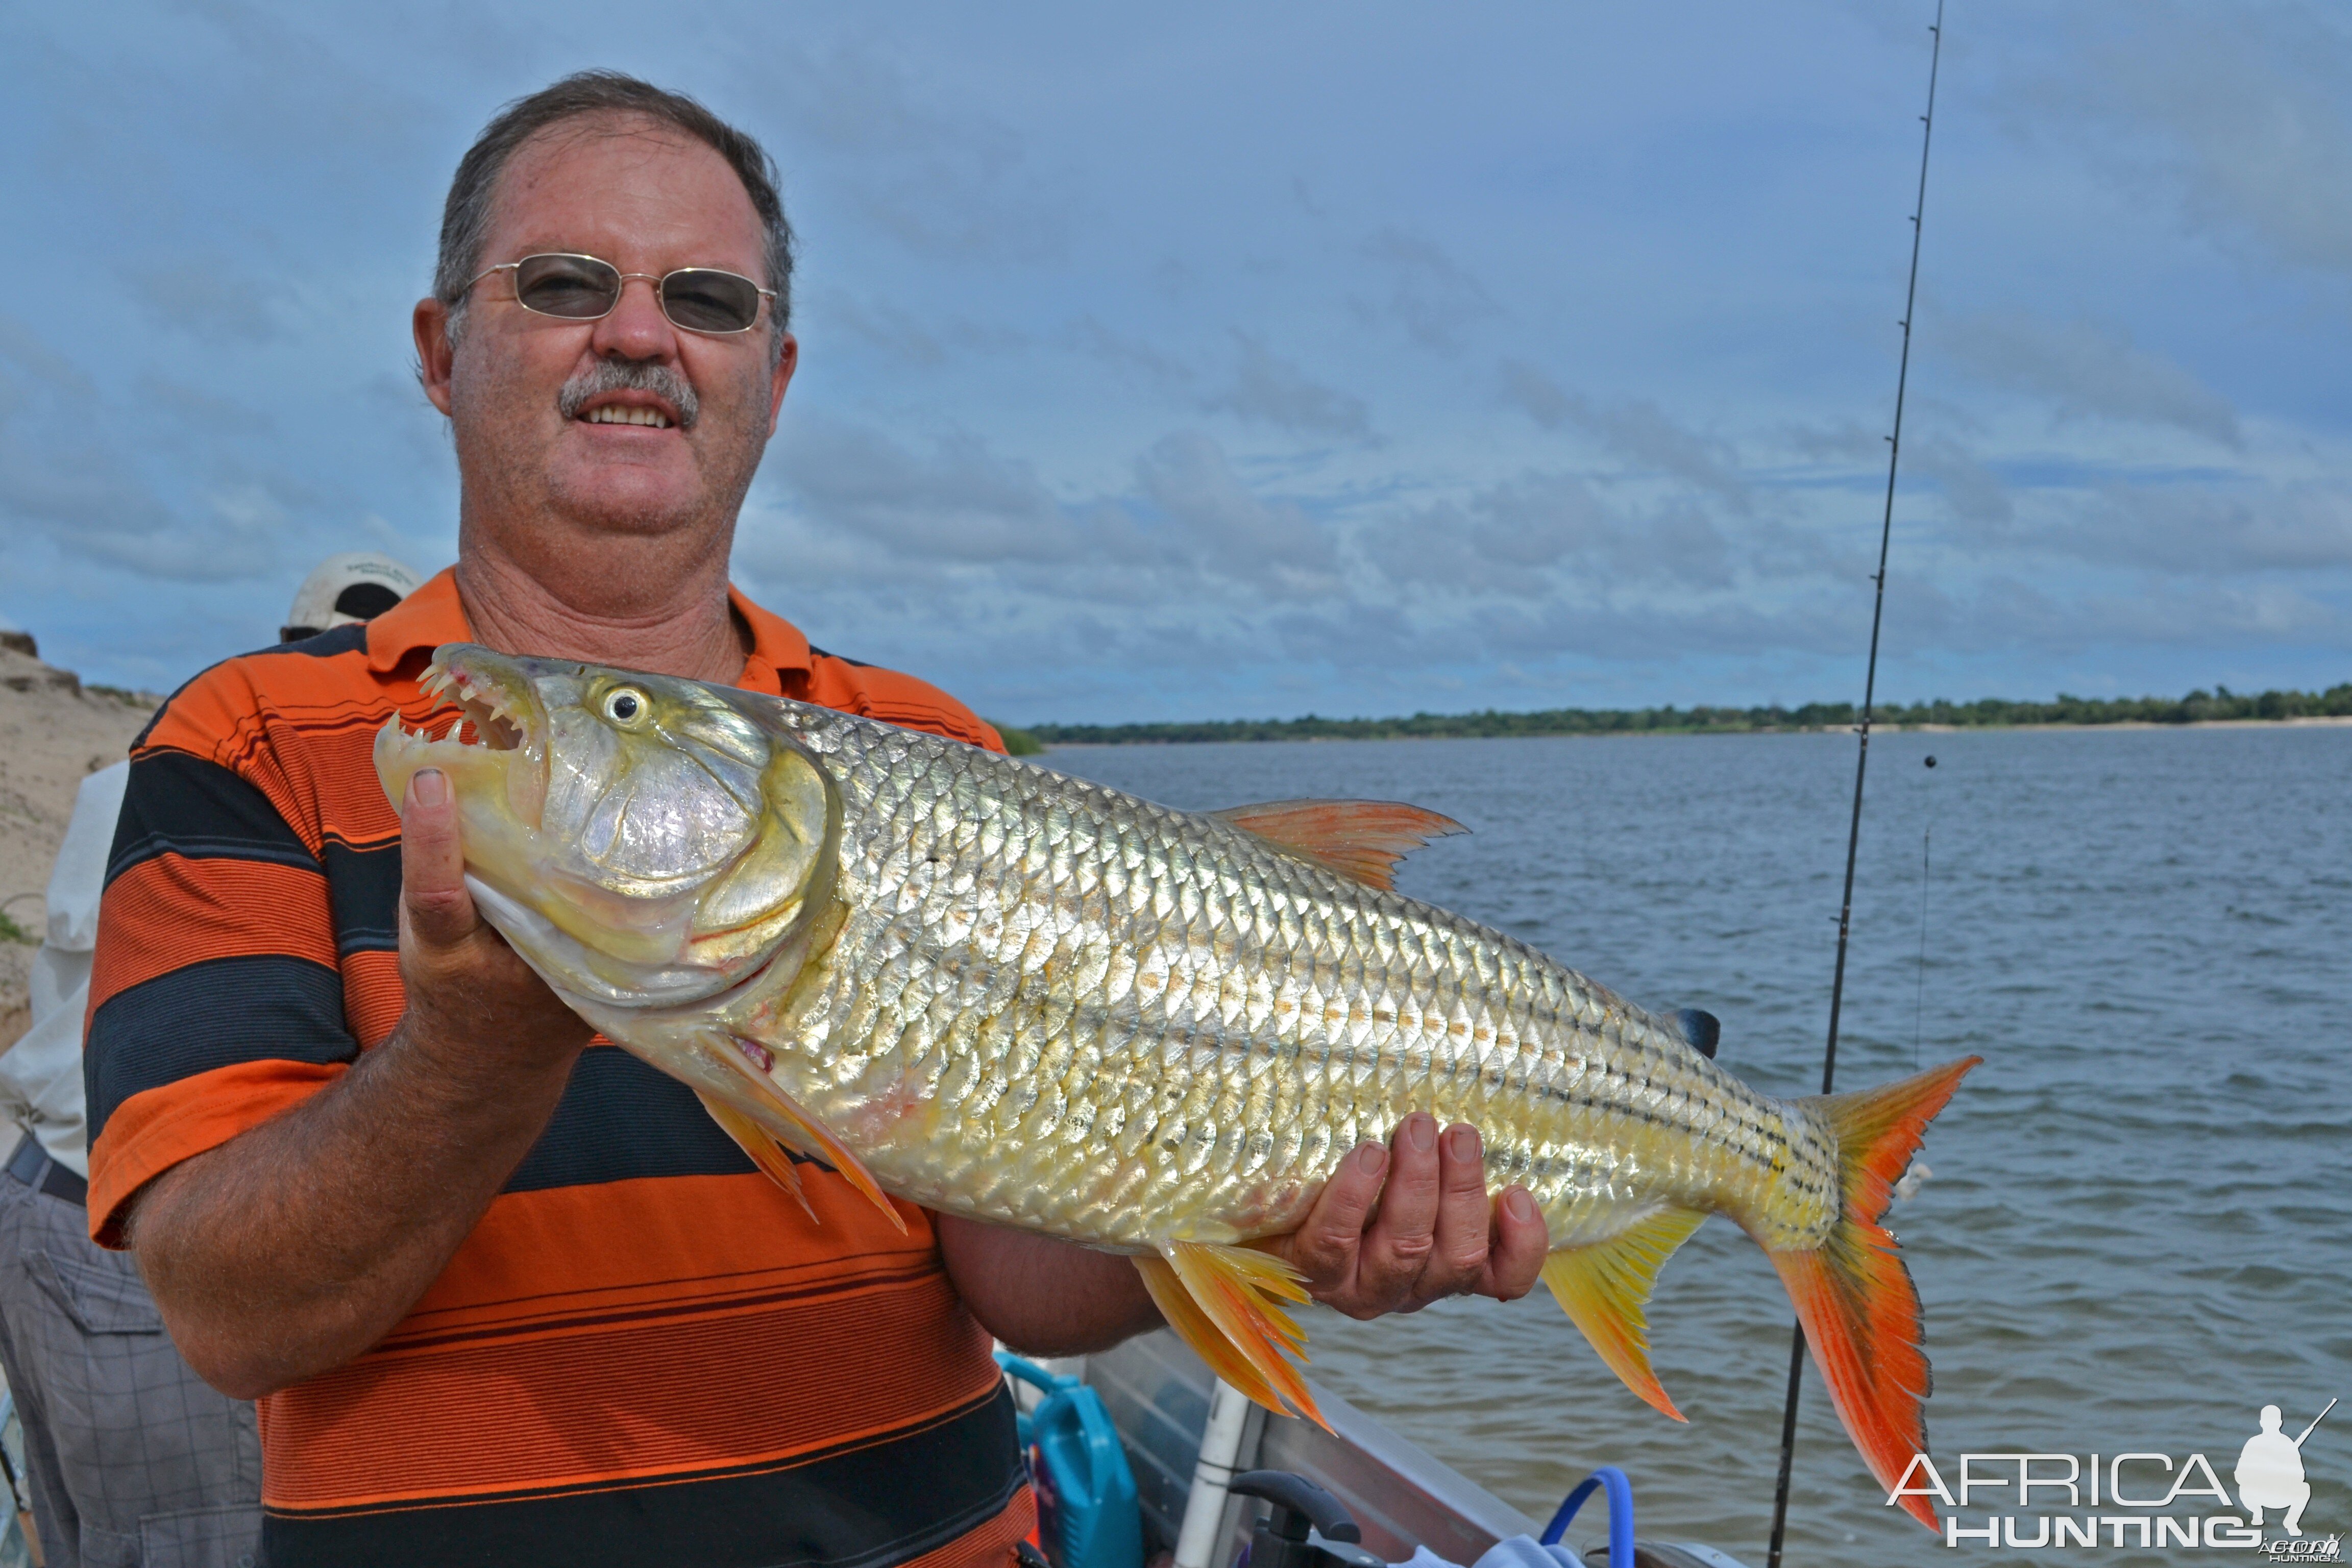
(465, 216)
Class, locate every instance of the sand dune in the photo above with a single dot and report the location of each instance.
(54, 732)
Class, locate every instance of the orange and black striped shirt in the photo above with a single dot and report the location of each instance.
(645, 1353)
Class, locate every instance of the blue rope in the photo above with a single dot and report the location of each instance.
(1621, 1513)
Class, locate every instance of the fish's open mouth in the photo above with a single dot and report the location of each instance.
(489, 713)
(499, 730)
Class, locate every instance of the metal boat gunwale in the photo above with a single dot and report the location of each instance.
(1157, 1393)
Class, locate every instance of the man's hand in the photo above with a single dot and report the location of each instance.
(471, 999)
(1396, 1228)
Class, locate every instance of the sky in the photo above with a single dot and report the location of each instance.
(1226, 360)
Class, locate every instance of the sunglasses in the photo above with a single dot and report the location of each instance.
(583, 288)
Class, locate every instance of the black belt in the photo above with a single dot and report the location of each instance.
(31, 1165)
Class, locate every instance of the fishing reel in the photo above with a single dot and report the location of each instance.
(1306, 1528)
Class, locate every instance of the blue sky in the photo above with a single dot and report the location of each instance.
(1224, 360)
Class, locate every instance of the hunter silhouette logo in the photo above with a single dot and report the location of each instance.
(2270, 1471)
(2133, 1500)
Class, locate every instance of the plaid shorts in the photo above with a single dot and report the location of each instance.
(134, 1460)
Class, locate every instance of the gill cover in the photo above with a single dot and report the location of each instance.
(687, 839)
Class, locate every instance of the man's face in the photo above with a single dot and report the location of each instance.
(648, 200)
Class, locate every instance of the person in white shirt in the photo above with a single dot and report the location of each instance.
(40, 1074)
(133, 1461)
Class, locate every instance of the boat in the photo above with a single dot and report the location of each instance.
(1187, 1437)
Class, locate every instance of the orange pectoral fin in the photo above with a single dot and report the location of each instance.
(762, 1149)
(809, 1135)
(1604, 1288)
(1223, 1301)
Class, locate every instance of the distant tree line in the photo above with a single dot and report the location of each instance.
(1989, 713)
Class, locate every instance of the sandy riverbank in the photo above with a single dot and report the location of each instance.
(54, 733)
(2315, 721)
(2321, 721)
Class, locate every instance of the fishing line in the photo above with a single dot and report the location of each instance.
(1862, 758)
(1919, 1002)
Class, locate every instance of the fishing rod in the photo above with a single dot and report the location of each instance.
(1862, 757)
(2315, 1424)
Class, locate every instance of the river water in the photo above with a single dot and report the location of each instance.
(2138, 1230)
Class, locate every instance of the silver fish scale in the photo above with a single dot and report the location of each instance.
(1060, 1008)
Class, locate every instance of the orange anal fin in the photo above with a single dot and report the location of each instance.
(1852, 1293)
(1360, 839)
(806, 1134)
(762, 1150)
(1604, 1288)
(1193, 1327)
(1238, 1291)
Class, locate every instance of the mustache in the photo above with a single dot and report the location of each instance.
(630, 375)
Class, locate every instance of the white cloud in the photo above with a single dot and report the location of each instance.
(2088, 369)
(1636, 429)
(1429, 294)
(1223, 529)
(1270, 390)
(207, 300)
(2247, 108)
(2203, 530)
(935, 174)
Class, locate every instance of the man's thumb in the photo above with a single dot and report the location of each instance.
(433, 862)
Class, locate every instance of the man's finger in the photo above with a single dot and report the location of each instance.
(433, 862)
(1516, 1247)
(1457, 1261)
(1397, 1247)
(1323, 1249)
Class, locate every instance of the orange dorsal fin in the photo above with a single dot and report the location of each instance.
(1224, 1302)
(1604, 1288)
(764, 1151)
(804, 1132)
(1360, 839)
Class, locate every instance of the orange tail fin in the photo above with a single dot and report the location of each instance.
(1853, 1294)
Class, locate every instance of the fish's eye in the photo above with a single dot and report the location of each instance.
(624, 705)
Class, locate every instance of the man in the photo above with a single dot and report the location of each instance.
(131, 1457)
(506, 1294)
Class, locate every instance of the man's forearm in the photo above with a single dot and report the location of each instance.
(297, 1245)
(1043, 1295)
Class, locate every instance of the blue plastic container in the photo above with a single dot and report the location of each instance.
(1087, 1516)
